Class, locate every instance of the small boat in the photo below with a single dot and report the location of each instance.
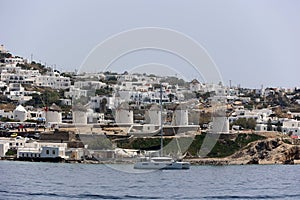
(160, 163)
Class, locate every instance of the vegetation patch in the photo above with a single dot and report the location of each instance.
(225, 146)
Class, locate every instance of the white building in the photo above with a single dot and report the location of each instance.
(260, 115)
(67, 102)
(195, 85)
(75, 93)
(4, 146)
(89, 84)
(6, 114)
(42, 150)
(12, 74)
(16, 92)
(2, 49)
(291, 126)
(20, 113)
(264, 127)
(53, 80)
(15, 143)
(14, 60)
(96, 102)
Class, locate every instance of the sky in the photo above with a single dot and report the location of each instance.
(253, 43)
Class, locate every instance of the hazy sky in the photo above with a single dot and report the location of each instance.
(252, 42)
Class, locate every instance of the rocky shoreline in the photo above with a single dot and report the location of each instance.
(268, 151)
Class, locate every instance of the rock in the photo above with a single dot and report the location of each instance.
(268, 151)
(253, 161)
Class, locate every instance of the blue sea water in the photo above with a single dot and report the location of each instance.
(28, 180)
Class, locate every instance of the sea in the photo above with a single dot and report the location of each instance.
(33, 180)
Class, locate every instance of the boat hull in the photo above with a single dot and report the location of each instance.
(162, 165)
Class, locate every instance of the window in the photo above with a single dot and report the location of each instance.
(47, 151)
(53, 151)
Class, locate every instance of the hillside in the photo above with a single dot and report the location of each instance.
(267, 151)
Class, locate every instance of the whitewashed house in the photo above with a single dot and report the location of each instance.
(42, 150)
(75, 93)
(16, 143)
(53, 80)
(96, 102)
(14, 60)
(195, 85)
(2, 49)
(291, 126)
(89, 84)
(6, 114)
(67, 102)
(264, 127)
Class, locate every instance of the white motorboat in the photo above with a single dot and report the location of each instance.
(160, 163)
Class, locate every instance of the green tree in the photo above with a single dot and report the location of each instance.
(46, 98)
(247, 123)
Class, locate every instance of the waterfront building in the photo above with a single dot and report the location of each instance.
(42, 150)
(4, 146)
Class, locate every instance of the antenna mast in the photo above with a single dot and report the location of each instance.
(161, 123)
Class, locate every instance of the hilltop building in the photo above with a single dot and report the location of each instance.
(54, 80)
